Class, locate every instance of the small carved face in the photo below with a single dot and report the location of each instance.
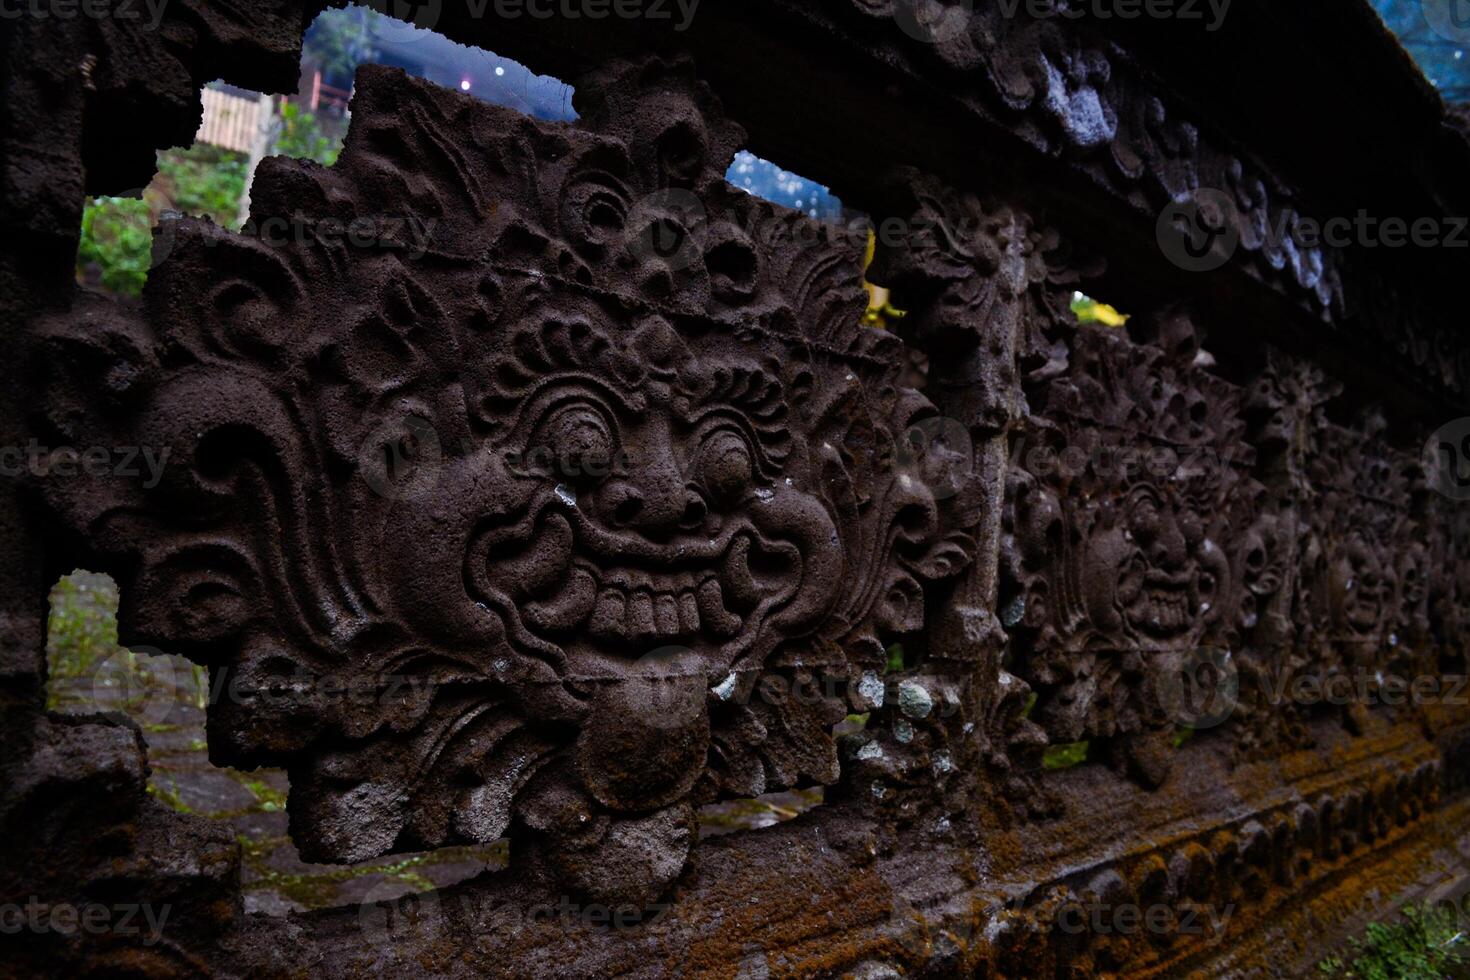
(1153, 568)
(1413, 576)
(1361, 586)
(1261, 560)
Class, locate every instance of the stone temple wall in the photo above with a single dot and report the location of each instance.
(527, 481)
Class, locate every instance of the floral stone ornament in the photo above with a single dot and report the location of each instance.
(499, 481)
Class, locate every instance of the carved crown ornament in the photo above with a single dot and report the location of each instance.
(574, 446)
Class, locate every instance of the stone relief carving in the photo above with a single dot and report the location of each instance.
(1120, 565)
(554, 498)
(424, 515)
(987, 290)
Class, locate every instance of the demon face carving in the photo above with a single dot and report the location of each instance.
(544, 501)
(1152, 571)
(1119, 562)
(670, 512)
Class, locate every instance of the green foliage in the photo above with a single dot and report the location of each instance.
(1064, 756)
(304, 137)
(116, 244)
(117, 239)
(1426, 944)
(82, 646)
(204, 181)
(340, 40)
(895, 659)
(82, 629)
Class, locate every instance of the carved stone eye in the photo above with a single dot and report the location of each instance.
(1255, 556)
(578, 441)
(594, 213)
(725, 467)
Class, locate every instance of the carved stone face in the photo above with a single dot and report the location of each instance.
(1159, 583)
(1262, 556)
(1413, 577)
(662, 511)
(1115, 572)
(545, 496)
(1150, 570)
(1362, 588)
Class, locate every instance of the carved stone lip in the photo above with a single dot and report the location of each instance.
(1365, 608)
(1163, 604)
(684, 550)
(625, 594)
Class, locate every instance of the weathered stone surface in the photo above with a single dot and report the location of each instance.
(527, 480)
(656, 470)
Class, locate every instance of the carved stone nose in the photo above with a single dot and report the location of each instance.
(1168, 550)
(653, 506)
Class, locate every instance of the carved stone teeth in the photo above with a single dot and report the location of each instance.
(609, 616)
(716, 618)
(568, 608)
(677, 608)
(666, 615)
(640, 616)
(1167, 610)
(688, 613)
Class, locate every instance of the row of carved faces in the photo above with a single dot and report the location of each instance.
(1208, 555)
